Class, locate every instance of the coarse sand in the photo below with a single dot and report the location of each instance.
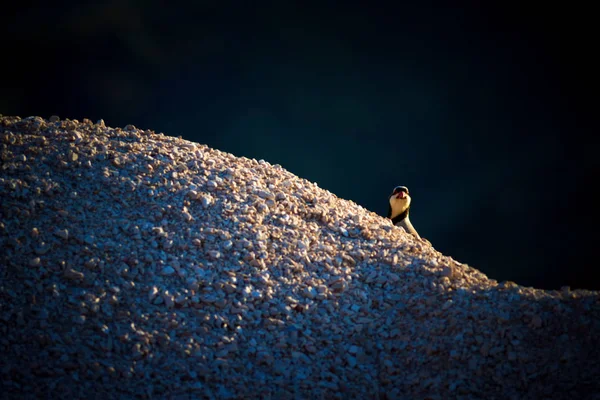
(139, 265)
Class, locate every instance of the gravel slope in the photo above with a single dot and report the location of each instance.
(135, 264)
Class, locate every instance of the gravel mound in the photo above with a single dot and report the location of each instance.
(138, 265)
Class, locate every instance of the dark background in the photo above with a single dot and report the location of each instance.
(486, 112)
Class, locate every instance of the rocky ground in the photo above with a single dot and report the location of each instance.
(138, 265)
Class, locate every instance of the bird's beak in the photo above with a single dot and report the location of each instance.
(401, 195)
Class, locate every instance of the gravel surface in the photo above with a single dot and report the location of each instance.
(139, 265)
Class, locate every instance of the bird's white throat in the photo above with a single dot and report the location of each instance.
(399, 205)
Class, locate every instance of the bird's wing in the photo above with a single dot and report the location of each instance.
(406, 224)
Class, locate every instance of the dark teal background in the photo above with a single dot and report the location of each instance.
(486, 112)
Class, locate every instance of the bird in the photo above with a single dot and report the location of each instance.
(398, 209)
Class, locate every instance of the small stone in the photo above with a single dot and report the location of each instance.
(194, 195)
(309, 292)
(20, 318)
(187, 217)
(212, 185)
(338, 285)
(298, 355)
(62, 233)
(229, 288)
(192, 284)
(473, 363)
(447, 272)
(168, 299)
(73, 275)
(206, 201)
(35, 262)
(265, 194)
(167, 271)
(485, 350)
(92, 263)
(351, 361)
(158, 300)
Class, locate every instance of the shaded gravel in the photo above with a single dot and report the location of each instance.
(135, 264)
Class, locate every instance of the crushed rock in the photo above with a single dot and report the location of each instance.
(139, 265)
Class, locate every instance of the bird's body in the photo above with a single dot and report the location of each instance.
(398, 209)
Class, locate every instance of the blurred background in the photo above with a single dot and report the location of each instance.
(484, 111)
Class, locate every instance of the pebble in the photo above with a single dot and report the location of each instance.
(167, 271)
(214, 254)
(353, 349)
(309, 292)
(62, 233)
(212, 185)
(193, 194)
(92, 263)
(35, 262)
(185, 271)
(206, 201)
(73, 275)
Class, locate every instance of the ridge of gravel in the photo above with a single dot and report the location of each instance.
(139, 265)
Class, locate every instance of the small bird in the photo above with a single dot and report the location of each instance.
(398, 209)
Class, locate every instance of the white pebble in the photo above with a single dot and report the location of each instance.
(187, 217)
(212, 185)
(192, 194)
(206, 201)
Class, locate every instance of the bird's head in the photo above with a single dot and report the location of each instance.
(399, 201)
